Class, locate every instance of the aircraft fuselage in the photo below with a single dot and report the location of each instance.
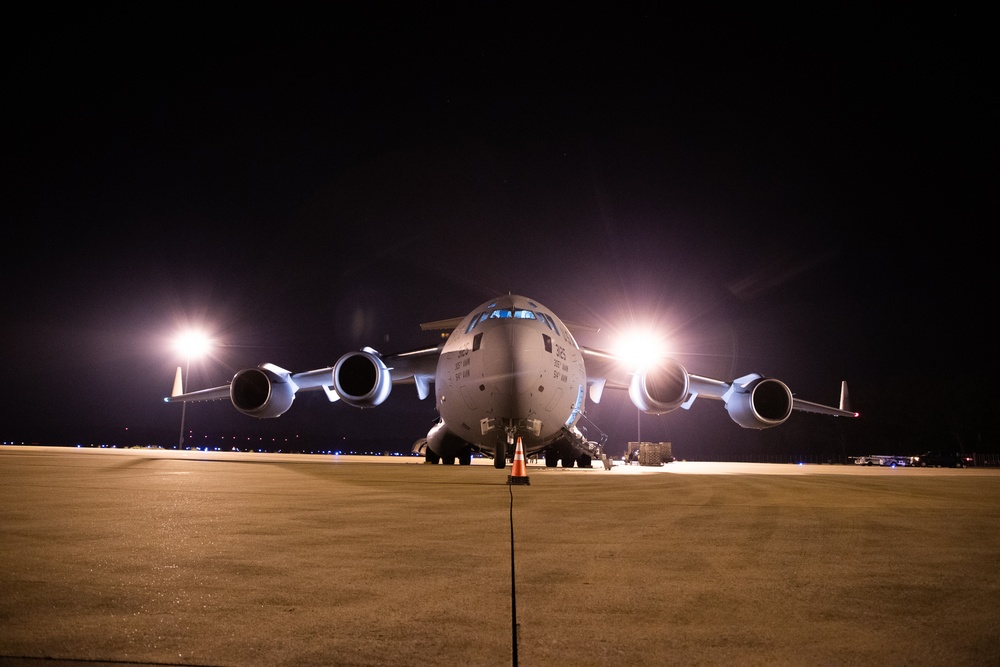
(510, 370)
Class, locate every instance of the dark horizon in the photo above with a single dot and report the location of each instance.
(803, 196)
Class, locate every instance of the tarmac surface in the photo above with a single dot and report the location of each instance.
(159, 557)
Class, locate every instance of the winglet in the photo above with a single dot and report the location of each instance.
(178, 384)
(845, 399)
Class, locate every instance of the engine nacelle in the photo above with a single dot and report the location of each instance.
(761, 403)
(263, 392)
(361, 379)
(661, 388)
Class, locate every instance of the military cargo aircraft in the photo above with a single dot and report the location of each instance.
(509, 370)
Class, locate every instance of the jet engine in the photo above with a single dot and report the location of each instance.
(761, 403)
(661, 388)
(362, 379)
(262, 392)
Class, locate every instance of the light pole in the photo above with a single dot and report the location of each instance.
(638, 350)
(189, 344)
(187, 367)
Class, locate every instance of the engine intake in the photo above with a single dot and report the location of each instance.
(660, 389)
(263, 392)
(362, 379)
(761, 403)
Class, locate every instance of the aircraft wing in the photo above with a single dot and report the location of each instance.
(604, 370)
(362, 378)
(752, 401)
(416, 367)
(843, 411)
(710, 388)
(303, 381)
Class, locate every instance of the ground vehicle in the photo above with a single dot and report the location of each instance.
(943, 460)
(883, 460)
(649, 453)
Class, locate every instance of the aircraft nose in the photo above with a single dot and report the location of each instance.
(511, 359)
(498, 366)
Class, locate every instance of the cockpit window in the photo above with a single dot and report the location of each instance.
(476, 320)
(549, 321)
(509, 313)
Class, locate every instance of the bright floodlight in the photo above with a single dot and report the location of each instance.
(640, 349)
(192, 344)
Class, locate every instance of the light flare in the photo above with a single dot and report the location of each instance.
(641, 348)
(192, 344)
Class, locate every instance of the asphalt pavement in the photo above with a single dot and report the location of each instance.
(153, 557)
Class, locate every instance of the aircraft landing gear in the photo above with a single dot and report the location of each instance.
(500, 456)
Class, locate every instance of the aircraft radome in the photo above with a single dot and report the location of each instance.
(510, 369)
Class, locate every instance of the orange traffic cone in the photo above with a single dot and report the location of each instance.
(518, 473)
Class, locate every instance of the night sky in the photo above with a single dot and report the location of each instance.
(801, 195)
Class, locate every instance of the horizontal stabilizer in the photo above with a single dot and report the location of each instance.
(448, 324)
